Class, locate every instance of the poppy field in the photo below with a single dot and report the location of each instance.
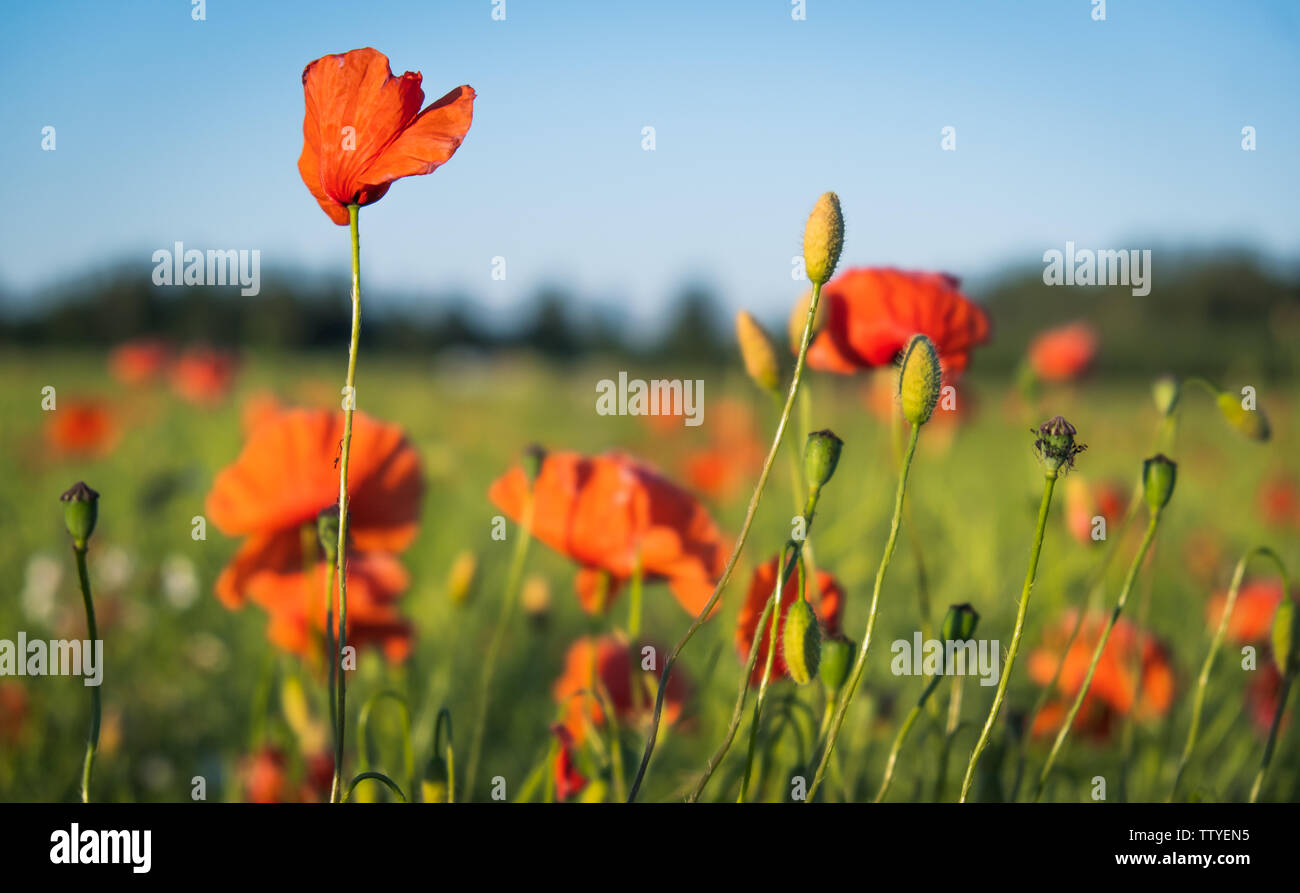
(902, 542)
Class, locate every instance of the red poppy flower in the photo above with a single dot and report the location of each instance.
(81, 427)
(364, 129)
(1064, 353)
(272, 494)
(1116, 689)
(607, 513)
(630, 689)
(1279, 501)
(203, 375)
(873, 311)
(827, 599)
(733, 456)
(569, 782)
(1262, 692)
(1252, 615)
(1085, 501)
(139, 361)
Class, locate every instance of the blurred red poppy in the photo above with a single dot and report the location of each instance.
(272, 493)
(569, 782)
(139, 361)
(610, 512)
(363, 129)
(733, 456)
(1252, 615)
(873, 311)
(827, 599)
(629, 688)
(81, 427)
(1116, 688)
(13, 711)
(1064, 353)
(1279, 500)
(1262, 692)
(1086, 501)
(203, 375)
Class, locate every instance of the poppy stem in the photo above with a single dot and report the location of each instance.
(1049, 484)
(902, 736)
(1198, 703)
(1064, 732)
(92, 736)
(949, 733)
(736, 550)
(1282, 697)
(859, 665)
(349, 406)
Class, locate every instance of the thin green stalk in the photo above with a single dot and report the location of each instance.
(330, 650)
(1049, 484)
(1064, 732)
(494, 646)
(92, 736)
(902, 736)
(375, 776)
(949, 733)
(449, 752)
(363, 737)
(1202, 682)
(1282, 697)
(851, 689)
(349, 406)
(736, 550)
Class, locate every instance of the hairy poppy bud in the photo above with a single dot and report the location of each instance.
(836, 657)
(1284, 637)
(327, 530)
(757, 352)
(1056, 446)
(1158, 476)
(801, 642)
(919, 380)
(534, 457)
(820, 456)
(1165, 393)
(1250, 422)
(80, 512)
(823, 238)
(799, 317)
(460, 579)
(959, 623)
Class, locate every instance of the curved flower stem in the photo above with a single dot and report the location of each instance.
(859, 665)
(774, 624)
(494, 646)
(1049, 484)
(1198, 704)
(92, 736)
(363, 738)
(902, 736)
(1064, 732)
(736, 550)
(349, 406)
(949, 733)
(375, 776)
(1282, 697)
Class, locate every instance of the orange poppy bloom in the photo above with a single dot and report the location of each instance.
(1064, 353)
(827, 599)
(631, 690)
(364, 129)
(1085, 501)
(1279, 501)
(81, 427)
(139, 361)
(1116, 689)
(1252, 615)
(569, 781)
(609, 513)
(272, 493)
(256, 409)
(732, 458)
(203, 375)
(873, 311)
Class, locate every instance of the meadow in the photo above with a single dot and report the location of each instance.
(193, 690)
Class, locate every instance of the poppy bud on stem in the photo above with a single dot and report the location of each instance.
(80, 512)
(757, 353)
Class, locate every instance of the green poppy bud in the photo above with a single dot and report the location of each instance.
(327, 531)
(1250, 422)
(801, 642)
(823, 238)
(919, 380)
(434, 786)
(1056, 446)
(820, 456)
(959, 623)
(1158, 476)
(836, 657)
(1284, 637)
(80, 512)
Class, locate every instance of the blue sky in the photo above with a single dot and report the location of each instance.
(1122, 133)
